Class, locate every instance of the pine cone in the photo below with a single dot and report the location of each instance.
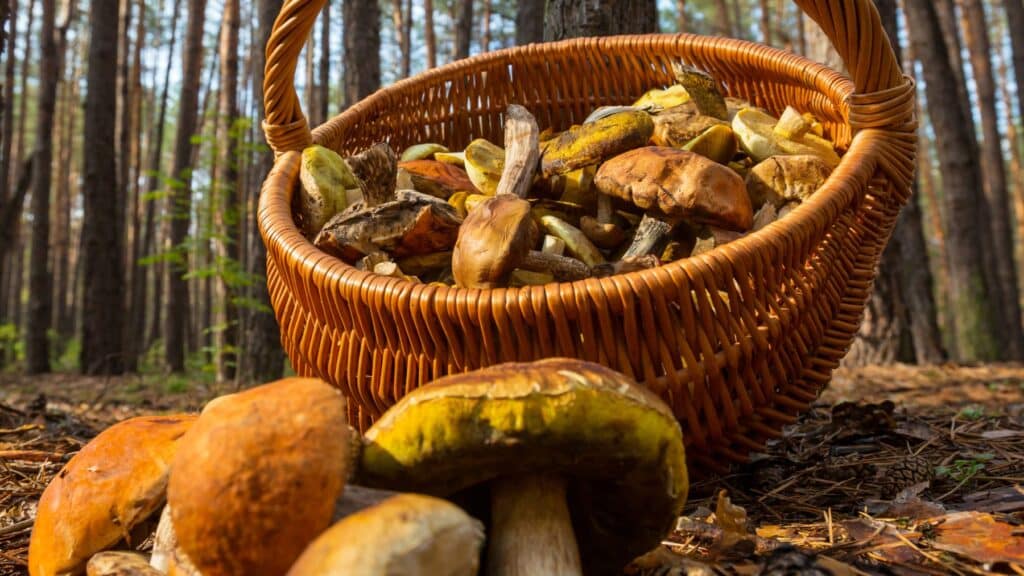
(904, 474)
(851, 466)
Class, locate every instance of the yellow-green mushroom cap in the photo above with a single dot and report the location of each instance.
(617, 446)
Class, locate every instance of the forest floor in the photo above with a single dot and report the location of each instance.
(899, 470)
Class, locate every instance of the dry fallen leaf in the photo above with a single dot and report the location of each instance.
(980, 537)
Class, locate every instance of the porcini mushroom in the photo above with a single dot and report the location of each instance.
(679, 184)
(437, 178)
(703, 89)
(104, 493)
(585, 468)
(325, 179)
(257, 477)
(408, 534)
(120, 564)
(676, 126)
(594, 142)
(782, 179)
(756, 133)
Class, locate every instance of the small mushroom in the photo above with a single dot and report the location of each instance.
(679, 184)
(411, 224)
(120, 564)
(437, 178)
(585, 468)
(105, 493)
(601, 230)
(408, 534)
(424, 151)
(484, 163)
(256, 478)
(575, 240)
(675, 127)
(593, 143)
(325, 177)
(377, 170)
(756, 133)
(782, 179)
(703, 89)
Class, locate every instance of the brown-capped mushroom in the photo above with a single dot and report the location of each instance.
(437, 178)
(602, 230)
(377, 170)
(257, 477)
(585, 468)
(782, 179)
(407, 534)
(120, 564)
(105, 494)
(674, 127)
(679, 184)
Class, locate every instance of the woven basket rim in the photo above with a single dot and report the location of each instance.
(830, 197)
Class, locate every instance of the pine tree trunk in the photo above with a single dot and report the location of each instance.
(135, 314)
(101, 236)
(124, 154)
(227, 180)
(62, 319)
(723, 22)
(40, 291)
(740, 27)
(681, 16)
(323, 87)
(994, 170)
(397, 21)
(19, 155)
(1015, 28)
(578, 18)
(180, 199)
(974, 312)
(1016, 189)
(262, 358)
(485, 27)
(362, 49)
(6, 149)
(529, 22)
(463, 27)
(428, 32)
(766, 22)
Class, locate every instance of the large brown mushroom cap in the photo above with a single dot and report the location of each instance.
(492, 241)
(616, 444)
(113, 484)
(408, 535)
(680, 184)
(257, 478)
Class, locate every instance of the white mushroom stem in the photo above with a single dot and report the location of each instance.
(531, 531)
(522, 152)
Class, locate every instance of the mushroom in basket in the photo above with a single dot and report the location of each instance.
(585, 468)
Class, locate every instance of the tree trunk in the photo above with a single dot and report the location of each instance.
(723, 22)
(180, 198)
(124, 154)
(362, 49)
(994, 170)
(577, 18)
(1015, 28)
(974, 312)
(485, 27)
(62, 318)
(135, 312)
(766, 22)
(101, 238)
(529, 22)
(5, 152)
(1016, 162)
(681, 16)
(463, 28)
(740, 30)
(227, 180)
(428, 32)
(261, 358)
(40, 291)
(398, 22)
(323, 88)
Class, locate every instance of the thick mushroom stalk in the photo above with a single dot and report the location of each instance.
(531, 530)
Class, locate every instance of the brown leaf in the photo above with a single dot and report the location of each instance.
(883, 539)
(981, 537)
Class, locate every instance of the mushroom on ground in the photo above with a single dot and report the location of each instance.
(586, 469)
(105, 493)
(408, 535)
(120, 564)
(679, 184)
(257, 477)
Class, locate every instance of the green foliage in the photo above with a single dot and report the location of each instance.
(973, 412)
(963, 470)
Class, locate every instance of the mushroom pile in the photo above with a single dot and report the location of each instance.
(567, 467)
(681, 171)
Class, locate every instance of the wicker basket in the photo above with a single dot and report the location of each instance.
(735, 370)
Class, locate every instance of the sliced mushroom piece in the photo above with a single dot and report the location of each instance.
(585, 468)
(411, 224)
(663, 98)
(651, 235)
(424, 151)
(677, 126)
(409, 534)
(257, 477)
(377, 170)
(436, 178)
(325, 177)
(120, 564)
(496, 238)
(484, 163)
(593, 143)
(105, 492)
(782, 179)
(679, 184)
(575, 240)
(703, 89)
(717, 143)
(756, 133)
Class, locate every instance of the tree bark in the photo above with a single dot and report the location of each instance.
(485, 27)
(529, 22)
(62, 317)
(766, 22)
(6, 149)
(135, 312)
(1016, 189)
(428, 32)
(362, 49)
(180, 198)
(398, 21)
(681, 16)
(1015, 29)
(577, 18)
(227, 180)
(996, 191)
(40, 290)
(323, 88)
(974, 312)
(463, 28)
(261, 358)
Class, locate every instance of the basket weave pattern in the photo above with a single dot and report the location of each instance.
(737, 341)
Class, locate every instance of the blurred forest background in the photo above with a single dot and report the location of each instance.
(131, 157)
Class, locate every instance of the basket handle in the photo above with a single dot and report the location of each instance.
(853, 26)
